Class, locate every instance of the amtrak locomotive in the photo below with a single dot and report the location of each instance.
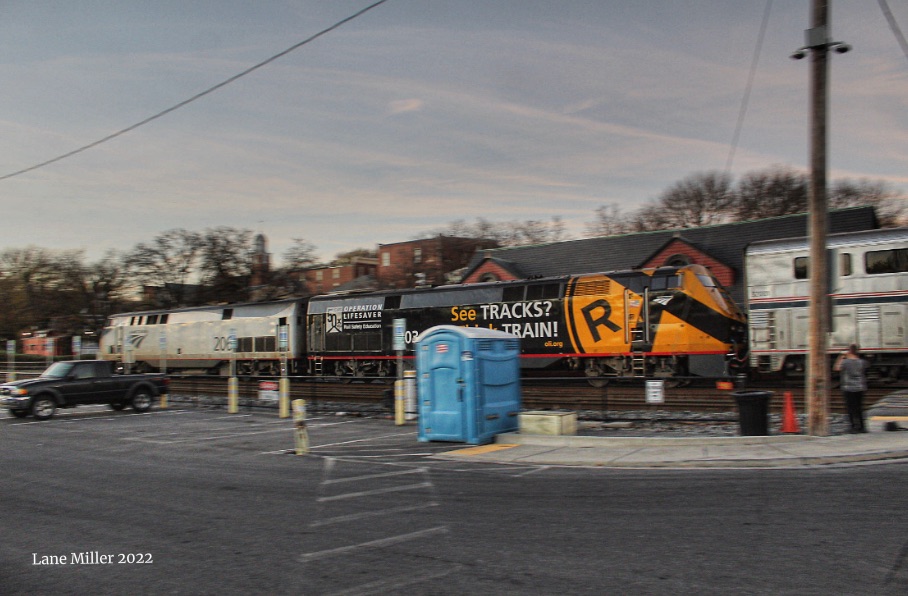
(666, 322)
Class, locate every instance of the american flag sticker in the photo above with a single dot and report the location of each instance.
(441, 348)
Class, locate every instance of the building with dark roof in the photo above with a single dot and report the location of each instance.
(719, 247)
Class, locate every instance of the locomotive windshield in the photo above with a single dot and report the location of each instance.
(719, 293)
(665, 282)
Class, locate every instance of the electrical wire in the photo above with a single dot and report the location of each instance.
(899, 36)
(196, 96)
(748, 88)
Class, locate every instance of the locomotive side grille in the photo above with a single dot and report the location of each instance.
(593, 287)
(868, 313)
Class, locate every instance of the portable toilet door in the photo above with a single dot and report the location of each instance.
(441, 383)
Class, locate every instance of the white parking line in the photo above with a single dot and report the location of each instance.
(200, 439)
(375, 476)
(340, 519)
(381, 542)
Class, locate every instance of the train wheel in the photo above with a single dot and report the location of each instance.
(345, 370)
(594, 379)
(593, 371)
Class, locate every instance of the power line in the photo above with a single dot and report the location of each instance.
(197, 95)
(899, 36)
(749, 87)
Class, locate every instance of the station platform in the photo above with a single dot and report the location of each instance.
(886, 441)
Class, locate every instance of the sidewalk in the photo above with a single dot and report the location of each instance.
(777, 451)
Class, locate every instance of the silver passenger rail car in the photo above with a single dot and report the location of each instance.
(868, 296)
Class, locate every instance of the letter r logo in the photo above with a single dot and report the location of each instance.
(596, 314)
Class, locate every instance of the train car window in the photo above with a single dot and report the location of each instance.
(392, 302)
(163, 319)
(707, 281)
(845, 267)
(282, 322)
(802, 271)
(543, 291)
(227, 314)
(668, 282)
(244, 344)
(152, 320)
(132, 320)
(886, 261)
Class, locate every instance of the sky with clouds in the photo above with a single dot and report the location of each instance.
(416, 114)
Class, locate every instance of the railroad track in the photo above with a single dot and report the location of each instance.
(568, 393)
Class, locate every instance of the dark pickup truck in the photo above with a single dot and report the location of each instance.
(77, 382)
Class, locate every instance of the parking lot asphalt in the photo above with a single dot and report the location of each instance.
(379, 438)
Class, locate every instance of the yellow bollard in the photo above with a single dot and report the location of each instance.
(299, 426)
(284, 398)
(233, 396)
(163, 401)
(400, 406)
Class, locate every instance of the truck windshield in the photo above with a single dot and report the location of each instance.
(58, 370)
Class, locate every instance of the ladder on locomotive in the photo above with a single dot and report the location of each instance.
(317, 365)
(638, 356)
(637, 336)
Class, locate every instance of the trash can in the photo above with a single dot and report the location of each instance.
(753, 412)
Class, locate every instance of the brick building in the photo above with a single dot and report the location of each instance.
(321, 280)
(430, 261)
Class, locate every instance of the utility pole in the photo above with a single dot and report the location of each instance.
(818, 374)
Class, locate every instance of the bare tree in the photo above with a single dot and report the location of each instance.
(610, 221)
(771, 193)
(890, 205)
(300, 255)
(699, 200)
(226, 264)
(510, 233)
(105, 285)
(169, 263)
(525, 233)
(42, 289)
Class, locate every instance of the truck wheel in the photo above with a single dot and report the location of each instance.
(43, 407)
(141, 400)
(19, 413)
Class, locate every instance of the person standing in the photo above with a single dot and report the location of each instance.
(852, 368)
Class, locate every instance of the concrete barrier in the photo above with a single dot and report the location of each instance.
(548, 423)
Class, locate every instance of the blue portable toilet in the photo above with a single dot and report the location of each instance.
(468, 384)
